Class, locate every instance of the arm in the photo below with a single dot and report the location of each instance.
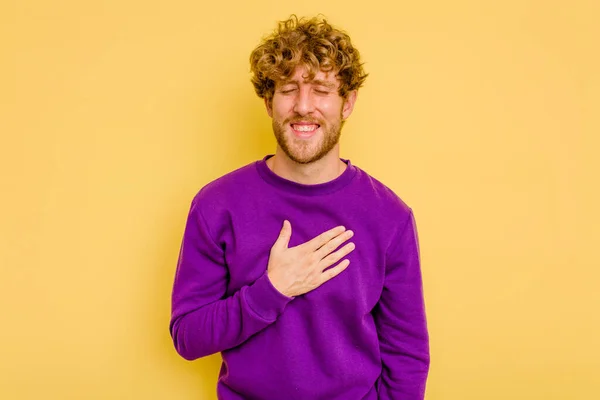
(203, 321)
(401, 321)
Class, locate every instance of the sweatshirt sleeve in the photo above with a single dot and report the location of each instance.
(401, 321)
(203, 320)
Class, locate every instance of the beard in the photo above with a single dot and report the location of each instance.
(308, 151)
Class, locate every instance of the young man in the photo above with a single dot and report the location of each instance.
(300, 268)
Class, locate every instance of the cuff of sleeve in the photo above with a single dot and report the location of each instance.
(265, 300)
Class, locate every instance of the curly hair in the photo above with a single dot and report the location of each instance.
(312, 43)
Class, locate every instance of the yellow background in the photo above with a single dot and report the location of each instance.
(483, 116)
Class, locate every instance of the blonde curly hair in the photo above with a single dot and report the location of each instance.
(312, 43)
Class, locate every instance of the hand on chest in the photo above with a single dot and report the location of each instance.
(247, 253)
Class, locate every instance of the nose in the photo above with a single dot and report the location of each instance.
(303, 103)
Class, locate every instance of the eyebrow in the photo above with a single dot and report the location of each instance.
(319, 82)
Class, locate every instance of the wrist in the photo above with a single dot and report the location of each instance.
(272, 278)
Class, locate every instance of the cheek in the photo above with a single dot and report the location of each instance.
(331, 109)
(281, 110)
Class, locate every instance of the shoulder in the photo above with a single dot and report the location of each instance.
(396, 218)
(228, 186)
(388, 213)
(387, 200)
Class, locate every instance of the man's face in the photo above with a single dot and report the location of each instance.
(308, 115)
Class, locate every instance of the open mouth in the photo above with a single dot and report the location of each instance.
(304, 129)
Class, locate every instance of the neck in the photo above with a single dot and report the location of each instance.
(324, 170)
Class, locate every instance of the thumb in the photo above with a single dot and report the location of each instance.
(285, 234)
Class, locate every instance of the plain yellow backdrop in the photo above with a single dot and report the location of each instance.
(483, 116)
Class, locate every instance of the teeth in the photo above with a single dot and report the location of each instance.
(305, 128)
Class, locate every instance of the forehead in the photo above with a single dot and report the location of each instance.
(300, 75)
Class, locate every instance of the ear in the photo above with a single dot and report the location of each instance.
(269, 106)
(349, 104)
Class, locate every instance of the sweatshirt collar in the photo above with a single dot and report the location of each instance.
(303, 189)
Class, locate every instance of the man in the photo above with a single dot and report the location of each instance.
(300, 268)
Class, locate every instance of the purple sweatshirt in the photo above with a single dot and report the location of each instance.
(361, 335)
